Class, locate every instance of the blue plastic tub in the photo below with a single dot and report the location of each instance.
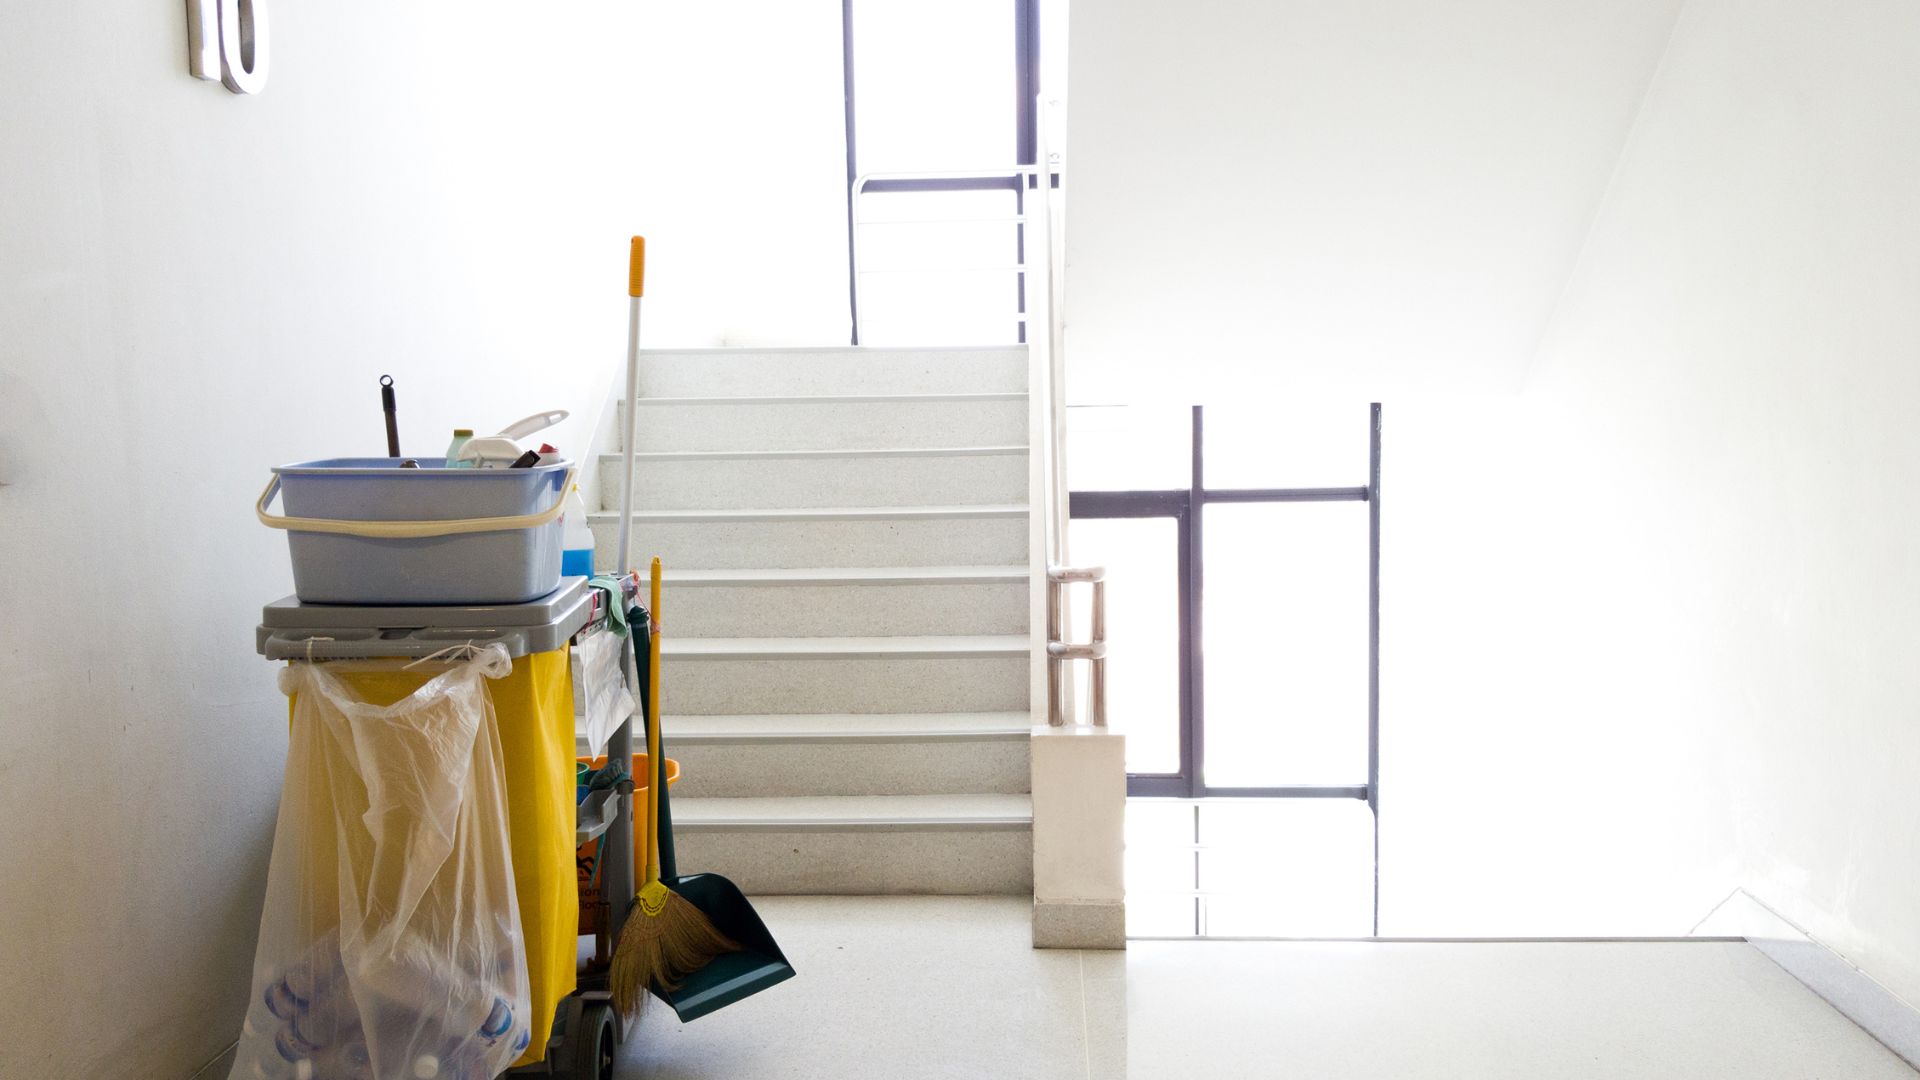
(488, 553)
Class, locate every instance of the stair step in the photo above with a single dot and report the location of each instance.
(981, 673)
(928, 647)
(865, 812)
(820, 422)
(830, 601)
(778, 479)
(956, 844)
(833, 536)
(848, 575)
(783, 728)
(831, 371)
(852, 754)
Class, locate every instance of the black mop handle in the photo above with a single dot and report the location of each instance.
(393, 421)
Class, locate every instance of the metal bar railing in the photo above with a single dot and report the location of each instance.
(1050, 377)
(1059, 651)
(1015, 177)
(1038, 269)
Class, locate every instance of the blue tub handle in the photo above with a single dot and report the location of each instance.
(410, 530)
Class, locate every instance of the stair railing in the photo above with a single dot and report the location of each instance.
(1048, 382)
(1039, 269)
(1022, 178)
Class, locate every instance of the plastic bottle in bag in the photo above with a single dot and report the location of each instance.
(390, 946)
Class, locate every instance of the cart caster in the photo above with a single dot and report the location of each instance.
(593, 1045)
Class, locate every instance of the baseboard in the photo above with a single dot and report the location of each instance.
(1079, 924)
(1853, 992)
(219, 1067)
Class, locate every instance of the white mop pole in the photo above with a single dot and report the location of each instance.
(636, 281)
(616, 876)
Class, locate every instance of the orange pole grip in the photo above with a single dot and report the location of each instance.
(637, 267)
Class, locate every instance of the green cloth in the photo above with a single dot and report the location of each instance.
(614, 603)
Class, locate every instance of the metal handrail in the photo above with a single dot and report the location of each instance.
(1040, 270)
(1050, 377)
(1020, 175)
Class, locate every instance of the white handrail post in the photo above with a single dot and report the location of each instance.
(853, 252)
(1056, 352)
(1041, 264)
(1043, 341)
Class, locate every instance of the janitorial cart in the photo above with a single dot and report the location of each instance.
(427, 894)
(569, 1028)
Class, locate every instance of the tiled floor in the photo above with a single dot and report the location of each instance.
(904, 988)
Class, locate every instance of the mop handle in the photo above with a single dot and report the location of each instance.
(656, 767)
(388, 407)
(622, 553)
(636, 275)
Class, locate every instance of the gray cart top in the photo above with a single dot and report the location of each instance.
(291, 630)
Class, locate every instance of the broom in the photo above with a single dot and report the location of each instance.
(666, 938)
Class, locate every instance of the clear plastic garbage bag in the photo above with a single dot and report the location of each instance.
(390, 946)
(600, 686)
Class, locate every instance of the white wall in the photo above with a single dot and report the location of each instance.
(1650, 608)
(740, 118)
(196, 286)
(1376, 192)
(1716, 459)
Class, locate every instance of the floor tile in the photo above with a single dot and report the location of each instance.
(1360, 1011)
(903, 988)
(900, 988)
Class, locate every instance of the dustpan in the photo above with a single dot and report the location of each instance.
(759, 963)
(730, 976)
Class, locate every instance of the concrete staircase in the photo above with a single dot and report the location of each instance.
(846, 612)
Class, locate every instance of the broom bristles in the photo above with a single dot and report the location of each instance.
(658, 952)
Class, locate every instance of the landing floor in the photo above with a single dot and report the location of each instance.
(904, 988)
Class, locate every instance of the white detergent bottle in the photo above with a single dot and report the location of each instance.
(576, 543)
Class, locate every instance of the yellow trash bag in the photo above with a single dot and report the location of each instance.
(420, 909)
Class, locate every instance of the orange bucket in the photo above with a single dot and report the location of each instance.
(641, 773)
(587, 859)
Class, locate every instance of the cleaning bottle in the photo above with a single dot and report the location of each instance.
(461, 436)
(576, 543)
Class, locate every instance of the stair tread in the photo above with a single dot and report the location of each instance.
(854, 810)
(834, 399)
(855, 453)
(746, 370)
(928, 646)
(850, 575)
(809, 727)
(875, 351)
(818, 513)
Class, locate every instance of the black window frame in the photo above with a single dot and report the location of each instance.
(1026, 74)
(1187, 507)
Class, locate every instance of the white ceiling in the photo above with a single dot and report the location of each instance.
(1365, 195)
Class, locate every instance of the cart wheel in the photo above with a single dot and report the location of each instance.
(593, 1046)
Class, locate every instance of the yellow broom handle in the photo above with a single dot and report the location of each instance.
(646, 836)
(656, 768)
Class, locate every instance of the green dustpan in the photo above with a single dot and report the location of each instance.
(733, 976)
